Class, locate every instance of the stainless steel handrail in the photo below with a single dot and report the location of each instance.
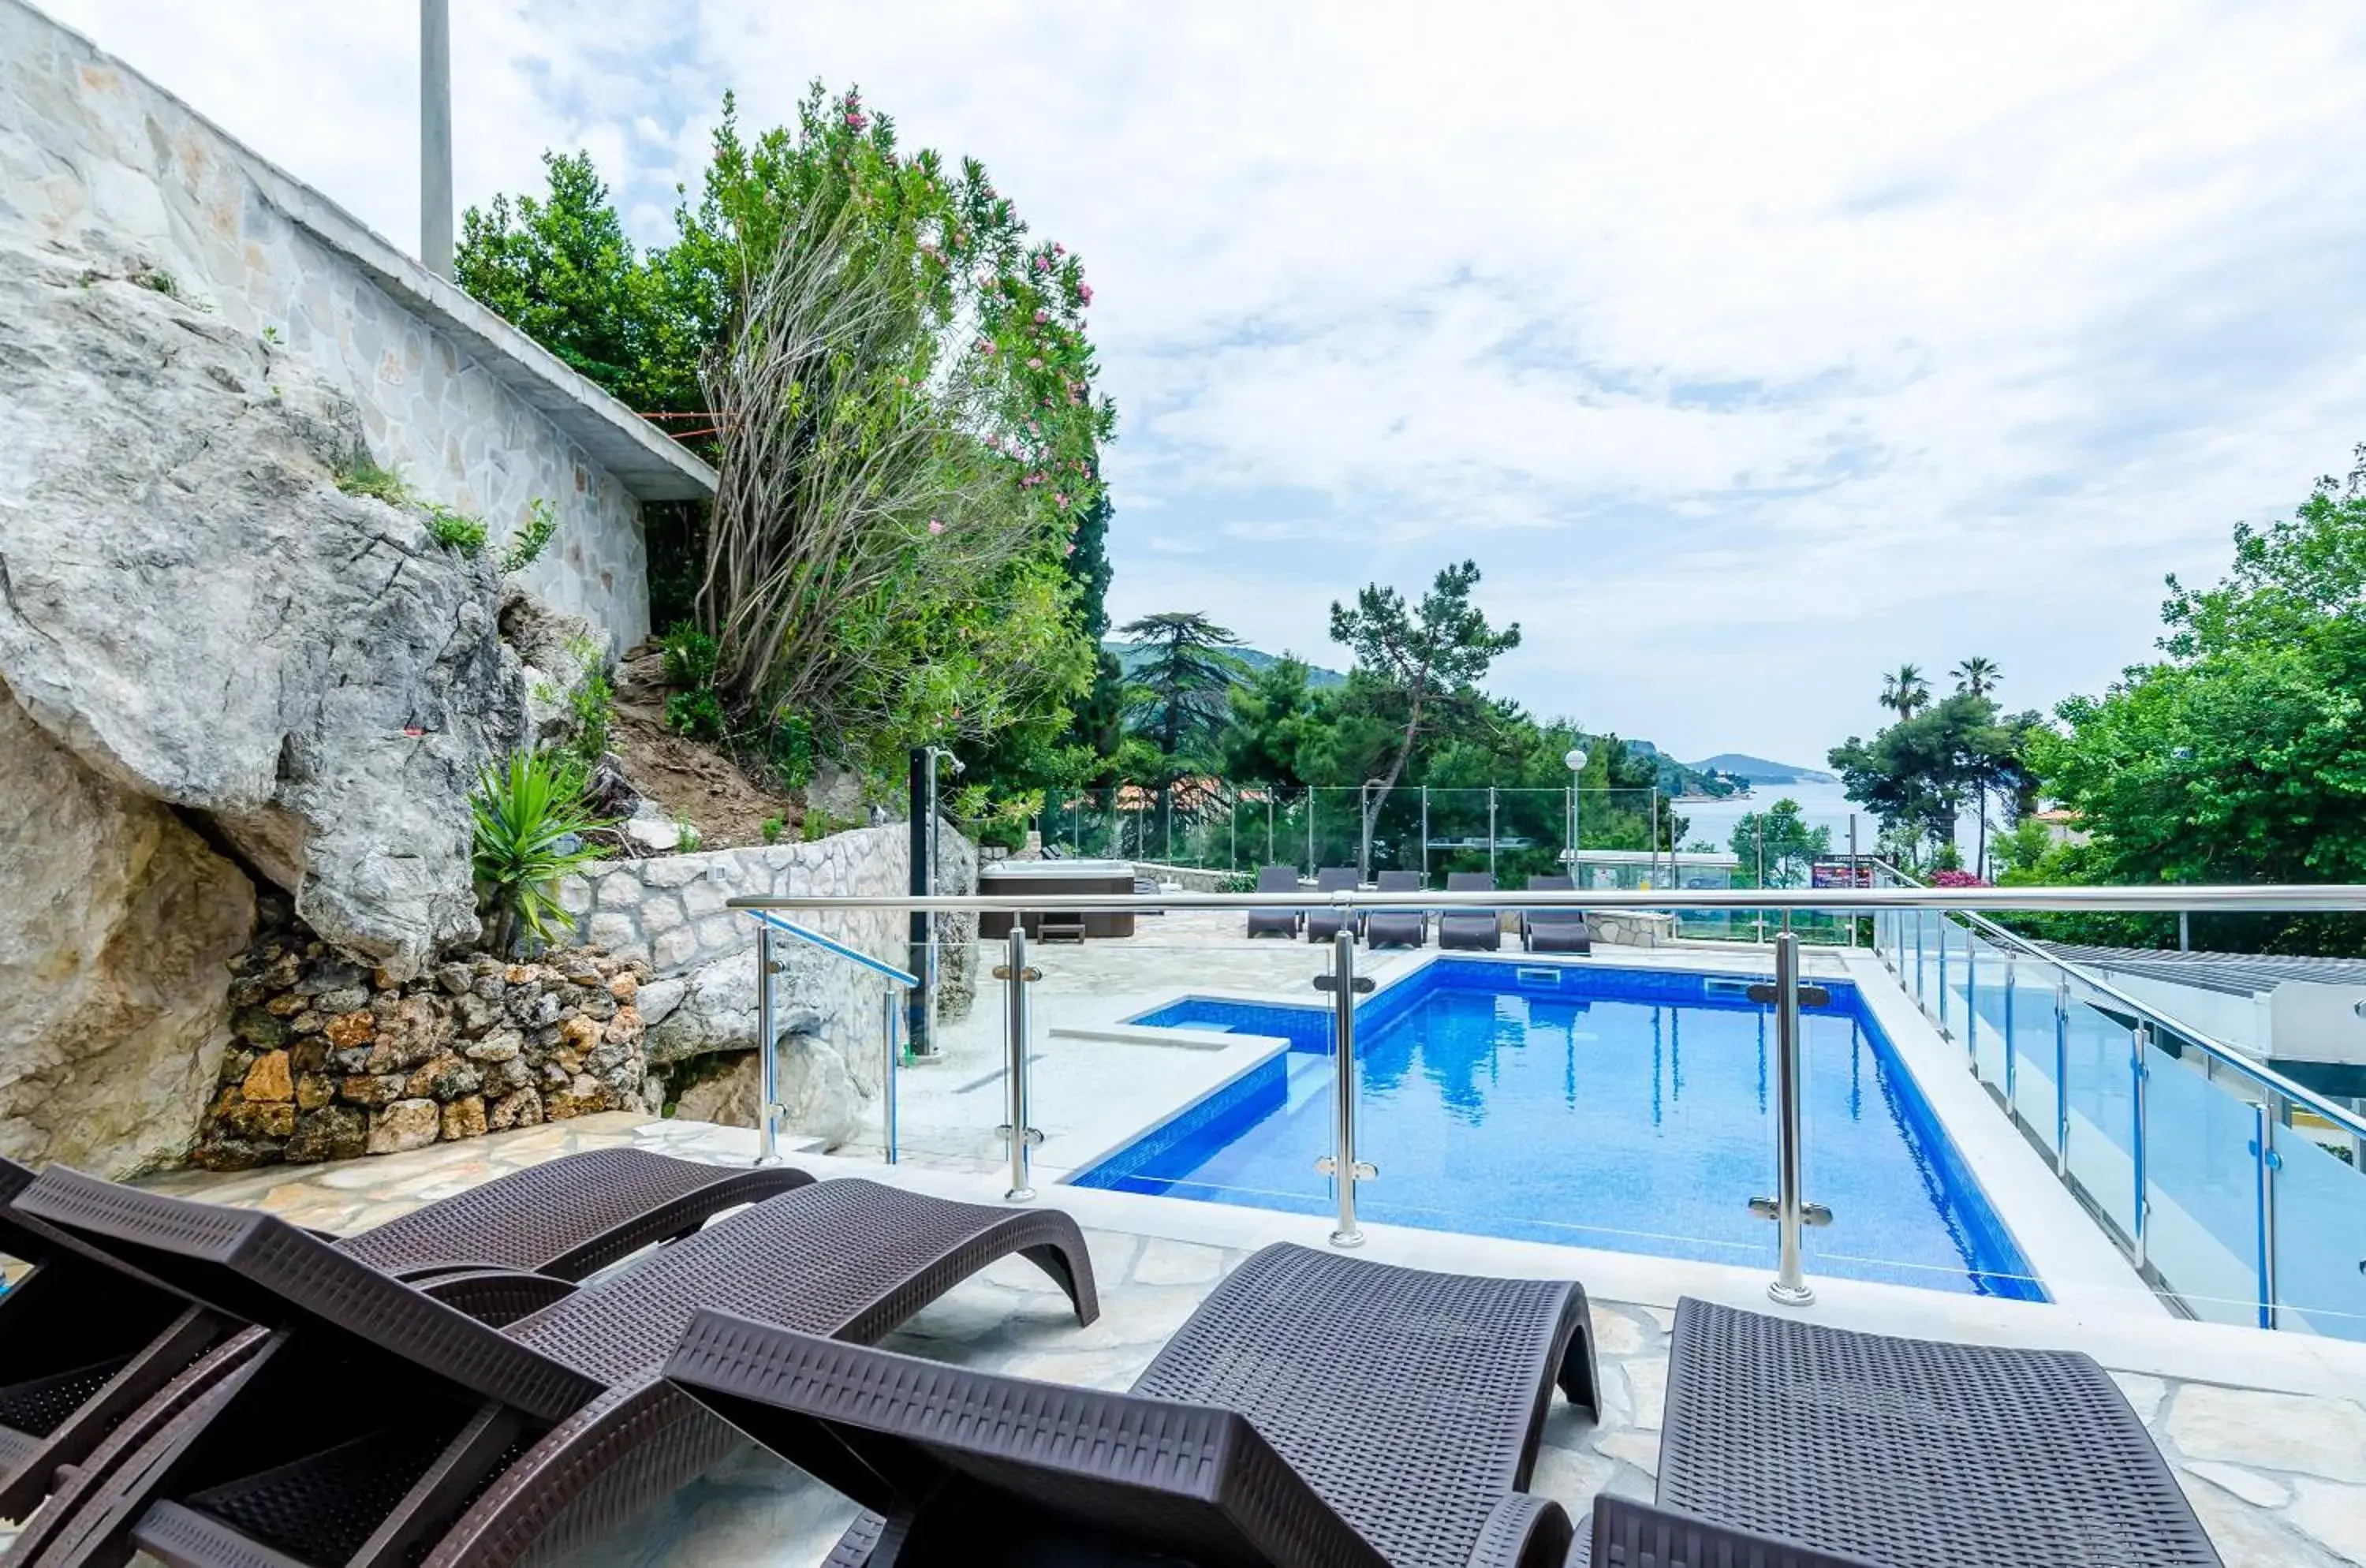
(768, 1042)
(2268, 1078)
(2263, 897)
(828, 944)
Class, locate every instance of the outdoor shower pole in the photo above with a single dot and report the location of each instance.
(1341, 1164)
(767, 1067)
(435, 136)
(918, 1000)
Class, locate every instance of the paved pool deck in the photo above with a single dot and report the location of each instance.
(2267, 1433)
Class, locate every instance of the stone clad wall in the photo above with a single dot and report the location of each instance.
(97, 160)
(671, 914)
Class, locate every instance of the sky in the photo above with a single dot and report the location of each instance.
(1750, 350)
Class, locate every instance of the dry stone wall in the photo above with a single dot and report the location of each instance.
(329, 1060)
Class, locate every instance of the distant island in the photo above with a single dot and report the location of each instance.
(1759, 770)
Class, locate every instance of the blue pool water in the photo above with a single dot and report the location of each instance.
(1609, 1108)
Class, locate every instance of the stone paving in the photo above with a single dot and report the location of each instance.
(2278, 1479)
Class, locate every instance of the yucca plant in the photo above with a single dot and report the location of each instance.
(530, 825)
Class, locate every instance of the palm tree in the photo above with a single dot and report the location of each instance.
(1905, 692)
(1978, 676)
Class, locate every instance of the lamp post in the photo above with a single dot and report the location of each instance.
(1575, 759)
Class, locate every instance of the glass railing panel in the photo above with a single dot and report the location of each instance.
(2034, 1008)
(2099, 1085)
(2320, 1230)
(2201, 1169)
(1906, 1205)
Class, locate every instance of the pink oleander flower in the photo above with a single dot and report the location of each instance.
(1060, 500)
(1034, 364)
(1042, 314)
(1042, 264)
(986, 345)
(936, 525)
(1085, 292)
(1058, 249)
(854, 120)
(1071, 549)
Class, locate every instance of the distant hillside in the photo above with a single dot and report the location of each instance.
(1678, 778)
(1130, 656)
(1759, 770)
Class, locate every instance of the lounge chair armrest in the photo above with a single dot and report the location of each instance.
(497, 1296)
(1627, 1534)
(1524, 1532)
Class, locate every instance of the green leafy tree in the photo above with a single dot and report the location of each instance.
(1780, 840)
(1917, 774)
(1418, 663)
(953, 331)
(2241, 755)
(1178, 696)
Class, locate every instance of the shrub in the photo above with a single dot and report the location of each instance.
(698, 714)
(592, 703)
(686, 836)
(793, 750)
(530, 821)
(690, 656)
(774, 827)
(360, 474)
(541, 524)
(456, 530)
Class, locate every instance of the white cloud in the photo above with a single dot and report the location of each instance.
(1750, 349)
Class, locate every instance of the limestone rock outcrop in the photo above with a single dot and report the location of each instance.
(116, 925)
(192, 609)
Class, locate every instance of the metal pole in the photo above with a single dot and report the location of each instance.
(2265, 1118)
(921, 787)
(2062, 1077)
(2184, 931)
(1425, 835)
(1655, 842)
(1758, 831)
(1311, 864)
(1940, 920)
(768, 1065)
(887, 1011)
(1972, 1000)
(1017, 1029)
(1364, 844)
(1268, 824)
(1853, 876)
(435, 136)
(2137, 1072)
(1790, 1287)
(1491, 831)
(1341, 1164)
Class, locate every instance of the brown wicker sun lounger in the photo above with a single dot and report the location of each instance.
(1323, 920)
(1868, 1448)
(1315, 1410)
(1397, 927)
(374, 1422)
(84, 1340)
(1554, 930)
(1276, 922)
(1470, 930)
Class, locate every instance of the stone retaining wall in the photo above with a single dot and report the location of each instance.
(670, 913)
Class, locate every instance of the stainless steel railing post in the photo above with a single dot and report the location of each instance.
(2266, 1116)
(767, 1111)
(1017, 1030)
(888, 1008)
(1341, 1164)
(2062, 1077)
(1790, 1287)
(2137, 1072)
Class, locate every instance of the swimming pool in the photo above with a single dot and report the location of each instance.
(1609, 1108)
